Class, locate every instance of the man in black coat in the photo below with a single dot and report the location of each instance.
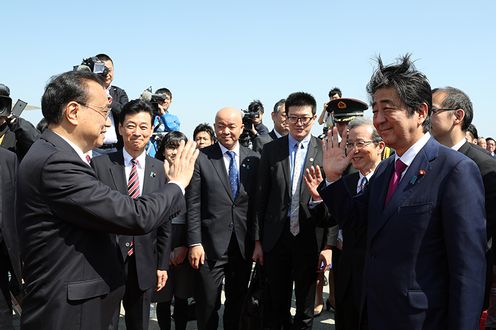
(9, 241)
(71, 265)
(220, 221)
(280, 127)
(139, 253)
(452, 113)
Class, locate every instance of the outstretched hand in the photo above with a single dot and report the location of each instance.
(313, 177)
(335, 161)
(181, 170)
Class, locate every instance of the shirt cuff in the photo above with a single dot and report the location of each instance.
(181, 187)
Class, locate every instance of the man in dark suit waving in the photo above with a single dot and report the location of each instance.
(72, 270)
(139, 253)
(426, 238)
(220, 221)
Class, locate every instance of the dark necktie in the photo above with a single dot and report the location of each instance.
(395, 179)
(133, 189)
(363, 184)
(233, 173)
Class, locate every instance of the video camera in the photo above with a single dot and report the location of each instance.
(92, 64)
(154, 99)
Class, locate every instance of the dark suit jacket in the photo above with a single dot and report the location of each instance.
(8, 229)
(72, 266)
(425, 259)
(213, 213)
(110, 170)
(274, 194)
(119, 99)
(263, 139)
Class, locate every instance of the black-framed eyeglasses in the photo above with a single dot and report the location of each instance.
(358, 144)
(104, 113)
(303, 120)
(436, 110)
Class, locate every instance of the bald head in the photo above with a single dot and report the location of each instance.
(228, 126)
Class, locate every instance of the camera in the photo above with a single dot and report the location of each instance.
(92, 64)
(248, 117)
(5, 106)
(154, 99)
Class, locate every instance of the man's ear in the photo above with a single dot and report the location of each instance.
(459, 115)
(71, 112)
(423, 112)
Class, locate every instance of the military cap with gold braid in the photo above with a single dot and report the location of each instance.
(346, 109)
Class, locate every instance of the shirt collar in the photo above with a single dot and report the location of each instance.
(127, 158)
(76, 148)
(459, 144)
(293, 141)
(408, 157)
(224, 149)
(277, 134)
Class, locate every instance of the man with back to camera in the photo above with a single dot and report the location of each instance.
(72, 272)
(139, 253)
(451, 117)
(425, 260)
(119, 99)
(280, 127)
(220, 215)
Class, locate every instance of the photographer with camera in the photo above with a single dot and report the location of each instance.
(163, 121)
(16, 134)
(253, 126)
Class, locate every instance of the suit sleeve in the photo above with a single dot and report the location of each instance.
(465, 238)
(75, 194)
(119, 101)
(261, 196)
(164, 245)
(193, 202)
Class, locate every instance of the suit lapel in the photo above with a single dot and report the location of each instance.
(150, 176)
(117, 171)
(406, 186)
(285, 163)
(217, 160)
(309, 161)
(273, 135)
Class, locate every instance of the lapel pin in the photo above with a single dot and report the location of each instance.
(421, 173)
(311, 159)
(153, 174)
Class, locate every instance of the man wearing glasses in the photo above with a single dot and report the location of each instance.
(72, 272)
(286, 240)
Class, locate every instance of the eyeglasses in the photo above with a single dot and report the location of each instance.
(303, 120)
(104, 113)
(358, 144)
(436, 110)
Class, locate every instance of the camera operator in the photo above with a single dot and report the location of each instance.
(16, 134)
(113, 140)
(163, 121)
(253, 126)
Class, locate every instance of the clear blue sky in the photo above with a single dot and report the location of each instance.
(217, 53)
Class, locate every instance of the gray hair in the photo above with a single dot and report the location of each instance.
(364, 121)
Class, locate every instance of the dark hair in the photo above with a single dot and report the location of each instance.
(411, 85)
(104, 57)
(64, 88)
(473, 130)
(334, 91)
(489, 139)
(456, 99)
(299, 99)
(133, 107)
(256, 106)
(164, 90)
(171, 140)
(204, 127)
(42, 125)
(278, 105)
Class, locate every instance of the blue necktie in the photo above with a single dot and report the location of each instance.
(233, 173)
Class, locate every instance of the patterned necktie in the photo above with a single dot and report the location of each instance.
(294, 219)
(133, 185)
(363, 184)
(133, 189)
(88, 159)
(395, 179)
(233, 173)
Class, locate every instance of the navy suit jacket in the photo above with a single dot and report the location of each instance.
(110, 170)
(72, 269)
(425, 259)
